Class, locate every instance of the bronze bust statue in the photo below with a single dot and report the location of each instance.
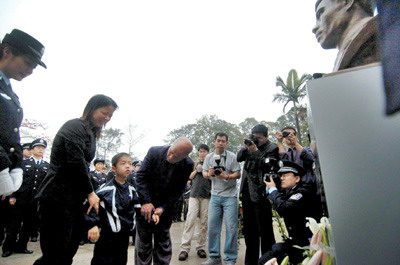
(350, 26)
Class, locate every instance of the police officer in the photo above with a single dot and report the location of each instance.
(97, 175)
(24, 217)
(20, 53)
(293, 203)
(26, 151)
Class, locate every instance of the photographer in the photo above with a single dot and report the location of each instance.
(293, 203)
(222, 168)
(257, 216)
(296, 153)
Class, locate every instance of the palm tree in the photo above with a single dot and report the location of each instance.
(293, 91)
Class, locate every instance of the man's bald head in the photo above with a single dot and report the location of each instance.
(179, 150)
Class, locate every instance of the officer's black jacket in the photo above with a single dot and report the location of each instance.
(159, 182)
(252, 174)
(33, 177)
(97, 178)
(11, 115)
(294, 206)
(68, 177)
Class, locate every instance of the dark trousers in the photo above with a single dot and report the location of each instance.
(257, 229)
(4, 217)
(19, 227)
(177, 212)
(280, 251)
(153, 242)
(35, 221)
(111, 248)
(60, 232)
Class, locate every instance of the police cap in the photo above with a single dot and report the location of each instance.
(26, 44)
(26, 146)
(99, 160)
(39, 142)
(289, 166)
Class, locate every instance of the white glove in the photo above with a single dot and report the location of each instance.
(16, 175)
(6, 183)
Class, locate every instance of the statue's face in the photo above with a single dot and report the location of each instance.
(331, 22)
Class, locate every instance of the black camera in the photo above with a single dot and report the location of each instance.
(285, 134)
(218, 169)
(253, 139)
(270, 168)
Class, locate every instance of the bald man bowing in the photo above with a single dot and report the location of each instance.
(160, 182)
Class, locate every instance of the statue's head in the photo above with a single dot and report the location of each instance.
(333, 17)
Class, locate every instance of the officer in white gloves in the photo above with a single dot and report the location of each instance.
(20, 53)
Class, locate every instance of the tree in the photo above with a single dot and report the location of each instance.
(132, 137)
(109, 143)
(204, 130)
(292, 91)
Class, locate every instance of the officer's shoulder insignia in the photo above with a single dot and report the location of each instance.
(296, 196)
(28, 166)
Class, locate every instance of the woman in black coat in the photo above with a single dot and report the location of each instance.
(67, 184)
(20, 53)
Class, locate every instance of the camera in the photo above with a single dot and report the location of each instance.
(285, 134)
(253, 139)
(270, 168)
(218, 169)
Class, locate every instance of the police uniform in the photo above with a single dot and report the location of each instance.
(293, 205)
(11, 112)
(24, 216)
(98, 178)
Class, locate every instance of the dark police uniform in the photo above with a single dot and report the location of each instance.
(11, 113)
(97, 178)
(294, 206)
(24, 216)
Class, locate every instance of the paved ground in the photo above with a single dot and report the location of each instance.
(85, 252)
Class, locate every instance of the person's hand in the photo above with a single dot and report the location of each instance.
(146, 210)
(211, 172)
(17, 176)
(223, 176)
(252, 147)
(12, 201)
(157, 214)
(156, 218)
(279, 136)
(270, 184)
(93, 234)
(94, 201)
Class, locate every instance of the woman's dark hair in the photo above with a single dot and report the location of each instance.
(117, 157)
(14, 51)
(96, 102)
(204, 146)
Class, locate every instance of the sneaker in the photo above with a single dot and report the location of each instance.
(211, 261)
(183, 255)
(201, 253)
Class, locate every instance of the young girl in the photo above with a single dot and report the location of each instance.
(20, 53)
(118, 200)
(67, 183)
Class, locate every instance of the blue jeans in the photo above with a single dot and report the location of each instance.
(223, 207)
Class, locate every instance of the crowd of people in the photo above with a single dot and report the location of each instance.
(65, 205)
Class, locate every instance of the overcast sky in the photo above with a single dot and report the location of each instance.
(166, 63)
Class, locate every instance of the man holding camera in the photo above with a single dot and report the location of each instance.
(198, 206)
(296, 153)
(222, 168)
(257, 216)
(294, 203)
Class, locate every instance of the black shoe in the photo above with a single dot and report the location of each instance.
(24, 251)
(183, 255)
(33, 239)
(7, 254)
(201, 253)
